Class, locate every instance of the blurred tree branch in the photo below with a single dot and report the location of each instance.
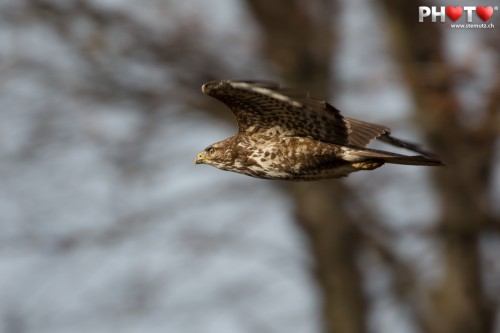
(112, 36)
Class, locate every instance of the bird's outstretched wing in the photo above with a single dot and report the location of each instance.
(263, 108)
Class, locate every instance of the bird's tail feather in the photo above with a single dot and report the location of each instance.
(394, 158)
(413, 160)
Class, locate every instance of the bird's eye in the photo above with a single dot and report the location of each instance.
(211, 151)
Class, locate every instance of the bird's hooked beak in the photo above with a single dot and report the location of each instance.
(200, 158)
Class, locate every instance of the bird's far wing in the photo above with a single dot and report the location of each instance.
(362, 133)
(387, 138)
(263, 108)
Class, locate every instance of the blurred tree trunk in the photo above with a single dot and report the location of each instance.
(458, 304)
(298, 39)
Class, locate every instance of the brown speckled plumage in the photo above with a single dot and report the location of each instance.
(285, 134)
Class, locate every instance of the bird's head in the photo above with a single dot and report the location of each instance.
(216, 155)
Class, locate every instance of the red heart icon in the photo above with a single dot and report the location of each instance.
(454, 12)
(484, 13)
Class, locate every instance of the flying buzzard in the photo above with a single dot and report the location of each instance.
(285, 134)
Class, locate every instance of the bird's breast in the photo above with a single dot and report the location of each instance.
(290, 158)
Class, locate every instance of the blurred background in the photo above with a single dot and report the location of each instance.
(107, 226)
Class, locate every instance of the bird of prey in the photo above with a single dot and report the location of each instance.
(285, 134)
